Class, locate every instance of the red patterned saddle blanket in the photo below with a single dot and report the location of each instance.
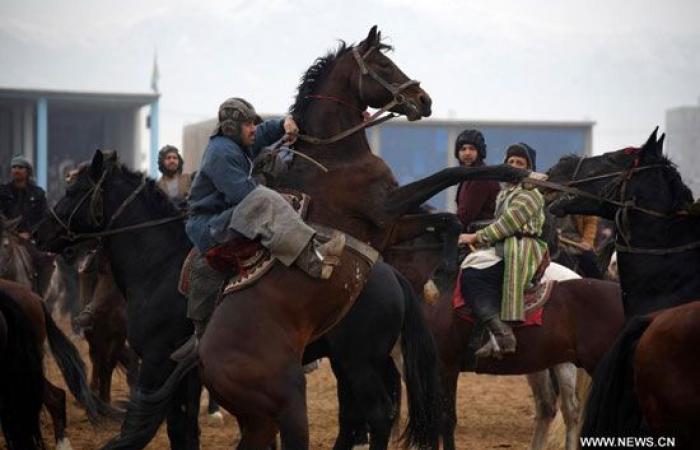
(535, 299)
(246, 260)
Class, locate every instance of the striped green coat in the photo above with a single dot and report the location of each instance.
(519, 212)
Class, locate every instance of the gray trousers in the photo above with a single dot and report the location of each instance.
(264, 214)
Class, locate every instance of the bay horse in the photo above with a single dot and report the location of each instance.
(358, 195)
(22, 383)
(107, 337)
(67, 358)
(658, 262)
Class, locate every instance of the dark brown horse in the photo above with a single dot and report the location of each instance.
(666, 376)
(22, 383)
(67, 359)
(581, 320)
(107, 336)
(658, 245)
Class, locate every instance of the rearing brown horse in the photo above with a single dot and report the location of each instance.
(253, 346)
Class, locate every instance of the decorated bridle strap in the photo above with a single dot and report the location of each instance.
(138, 226)
(372, 121)
(582, 193)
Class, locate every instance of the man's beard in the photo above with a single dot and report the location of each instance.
(169, 173)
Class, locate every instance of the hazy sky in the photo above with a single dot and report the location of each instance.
(620, 63)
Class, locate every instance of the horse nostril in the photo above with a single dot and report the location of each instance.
(425, 100)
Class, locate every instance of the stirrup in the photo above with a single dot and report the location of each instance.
(491, 349)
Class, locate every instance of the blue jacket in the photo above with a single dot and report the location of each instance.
(223, 180)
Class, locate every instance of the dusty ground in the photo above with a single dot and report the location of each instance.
(494, 412)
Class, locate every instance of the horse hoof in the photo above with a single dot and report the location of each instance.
(64, 444)
(215, 419)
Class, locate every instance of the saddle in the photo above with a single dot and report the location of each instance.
(535, 298)
(245, 260)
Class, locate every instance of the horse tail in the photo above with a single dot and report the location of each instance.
(73, 370)
(420, 372)
(613, 409)
(146, 410)
(22, 383)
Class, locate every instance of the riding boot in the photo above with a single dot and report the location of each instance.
(318, 259)
(502, 342)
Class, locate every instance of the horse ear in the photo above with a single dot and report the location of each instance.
(651, 142)
(371, 39)
(97, 164)
(653, 148)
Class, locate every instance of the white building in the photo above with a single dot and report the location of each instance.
(683, 143)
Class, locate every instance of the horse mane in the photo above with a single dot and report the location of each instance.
(682, 194)
(157, 200)
(315, 75)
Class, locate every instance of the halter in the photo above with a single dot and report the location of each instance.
(397, 92)
(95, 193)
(622, 222)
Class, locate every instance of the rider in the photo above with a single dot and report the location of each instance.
(579, 233)
(22, 197)
(173, 182)
(509, 254)
(476, 199)
(227, 202)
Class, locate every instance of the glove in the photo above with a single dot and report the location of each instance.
(273, 163)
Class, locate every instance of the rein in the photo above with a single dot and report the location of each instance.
(109, 231)
(365, 70)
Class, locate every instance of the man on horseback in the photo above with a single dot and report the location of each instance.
(22, 197)
(510, 252)
(476, 199)
(226, 202)
(173, 182)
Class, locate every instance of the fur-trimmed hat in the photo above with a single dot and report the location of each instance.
(523, 150)
(164, 152)
(473, 137)
(22, 161)
(233, 113)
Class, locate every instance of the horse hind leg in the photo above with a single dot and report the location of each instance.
(545, 406)
(570, 406)
(257, 433)
(55, 402)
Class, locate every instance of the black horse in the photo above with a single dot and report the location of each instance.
(658, 247)
(146, 265)
(22, 384)
(386, 314)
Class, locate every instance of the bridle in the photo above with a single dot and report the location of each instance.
(618, 184)
(396, 91)
(96, 212)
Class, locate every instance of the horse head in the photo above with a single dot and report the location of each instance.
(642, 177)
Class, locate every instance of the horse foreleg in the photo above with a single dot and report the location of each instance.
(294, 421)
(570, 406)
(545, 406)
(55, 402)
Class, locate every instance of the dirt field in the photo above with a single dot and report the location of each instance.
(494, 412)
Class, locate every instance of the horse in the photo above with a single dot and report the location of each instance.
(107, 337)
(145, 263)
(22, 383)
(361, 347)
(15, 260)
(68, 360)
(358, 195)
(581, 319)
(657, 249)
